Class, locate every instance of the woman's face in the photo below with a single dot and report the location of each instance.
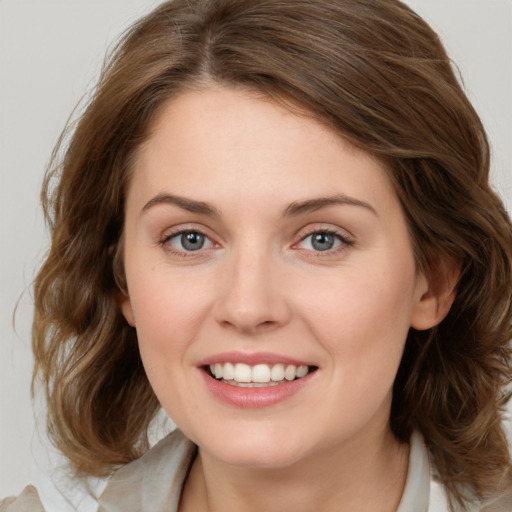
(261, 243)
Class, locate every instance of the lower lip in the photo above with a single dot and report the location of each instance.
(253, 398)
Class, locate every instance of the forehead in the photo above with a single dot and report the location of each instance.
(204, 141)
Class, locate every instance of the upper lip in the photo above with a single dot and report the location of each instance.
(252, 359)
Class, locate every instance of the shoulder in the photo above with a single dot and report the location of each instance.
(154, 481)
(141, 485)
(439, 501)
(171, 455)
(27, 501)
(501, 504)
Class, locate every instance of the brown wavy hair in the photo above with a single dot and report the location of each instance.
(378, 75)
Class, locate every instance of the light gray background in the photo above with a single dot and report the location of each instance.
(50, 50)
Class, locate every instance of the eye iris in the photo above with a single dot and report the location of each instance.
(322, 241)
(192, 241)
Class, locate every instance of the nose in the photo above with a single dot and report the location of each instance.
(252, 295)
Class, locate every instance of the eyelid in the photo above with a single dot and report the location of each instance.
(180, 235)
(310, 229)
(168, 234)
(346, 238)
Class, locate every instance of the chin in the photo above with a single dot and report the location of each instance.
(258, 458)
(252, 449)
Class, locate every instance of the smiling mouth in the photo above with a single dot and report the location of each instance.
(259, 375)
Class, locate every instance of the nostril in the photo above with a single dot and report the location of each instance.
(249, 327)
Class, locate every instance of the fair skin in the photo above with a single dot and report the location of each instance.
(254, 235)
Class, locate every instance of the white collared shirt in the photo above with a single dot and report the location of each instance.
(154, 482)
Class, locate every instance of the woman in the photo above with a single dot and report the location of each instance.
(274, 221)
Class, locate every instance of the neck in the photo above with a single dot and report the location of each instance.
(356, 476)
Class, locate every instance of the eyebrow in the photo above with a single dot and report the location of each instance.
(182, 202)
(292, 210)
(311, 205)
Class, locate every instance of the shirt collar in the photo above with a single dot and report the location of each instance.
(416, 495)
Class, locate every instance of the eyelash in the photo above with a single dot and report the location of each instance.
(345, 242)
(165, 242)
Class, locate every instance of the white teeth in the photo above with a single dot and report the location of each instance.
(242, 373)
(218, 371)
(277, 372)
(302, 371)
(261, 373)
(228, 371)
(258, 374)
(289, 373)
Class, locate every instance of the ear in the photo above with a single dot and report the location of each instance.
(436, 293)
(125, 306)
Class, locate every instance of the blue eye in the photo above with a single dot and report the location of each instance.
(322, 241)
(189, 241)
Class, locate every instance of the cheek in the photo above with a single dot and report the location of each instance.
(362, 320)
(168, 316)
(168, 319)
